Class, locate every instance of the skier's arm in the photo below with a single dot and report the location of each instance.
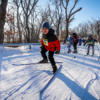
(75, 39)
(42, 42)
(57, 44)
(95, 40)
(85, 42)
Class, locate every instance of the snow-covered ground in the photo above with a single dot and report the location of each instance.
(77, 79)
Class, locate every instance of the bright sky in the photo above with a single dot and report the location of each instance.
(90, 9)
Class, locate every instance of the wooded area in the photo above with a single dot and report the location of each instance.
(21, 20)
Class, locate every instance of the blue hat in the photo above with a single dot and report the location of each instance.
(46, 25)
(89, 36)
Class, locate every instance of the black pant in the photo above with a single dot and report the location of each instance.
(50, 55)
(79, 44)
(75, 46)
(88, 49)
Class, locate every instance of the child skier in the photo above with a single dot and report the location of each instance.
(80, 41)
(49, 43)
(75, 41)
(69, 43)
(90, 43)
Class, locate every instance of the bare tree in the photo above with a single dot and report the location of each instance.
(82, 29)
(28, 6)
(25, 14)
(69, 16)
(91, 28)
(17, 3)
(97, 28)
(2, 18)
(57, 17)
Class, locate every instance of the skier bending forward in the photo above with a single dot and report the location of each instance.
(90, 43)
(49, 43)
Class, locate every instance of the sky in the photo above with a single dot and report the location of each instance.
(90, 10)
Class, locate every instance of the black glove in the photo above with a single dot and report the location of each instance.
(97, 41)
(41, 47)
(57, 52)
(73, 38)
(83, 44)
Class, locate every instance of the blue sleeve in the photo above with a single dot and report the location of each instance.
(86, 42)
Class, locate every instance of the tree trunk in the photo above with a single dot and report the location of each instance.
(2, 18)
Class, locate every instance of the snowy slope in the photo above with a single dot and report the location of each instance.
(78, 78)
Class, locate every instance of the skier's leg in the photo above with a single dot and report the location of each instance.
(52, 61)
(88, 49)
(75, 47)
(68, 48)
(50, 56)
(92, 50)
(43, 54)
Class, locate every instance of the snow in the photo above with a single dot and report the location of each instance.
(77, 79)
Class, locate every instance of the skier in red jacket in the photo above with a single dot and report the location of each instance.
(49, 43)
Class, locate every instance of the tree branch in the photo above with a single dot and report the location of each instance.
(75, 12)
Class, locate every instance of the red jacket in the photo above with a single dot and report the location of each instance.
(75, 39)
(51, 46)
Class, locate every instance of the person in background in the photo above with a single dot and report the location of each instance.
(49, 43)
(90, 43)
(69, 43)
(84, 40)
(75, 41)
(80, 41)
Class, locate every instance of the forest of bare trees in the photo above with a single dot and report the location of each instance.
(88, 28)
(23, 20)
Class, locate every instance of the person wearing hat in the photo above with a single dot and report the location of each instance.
(75, 41)
(90, 43)
(49, 43)
(80, 41)
(69, 42)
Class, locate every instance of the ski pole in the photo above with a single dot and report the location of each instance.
(85, 49)
(64, 47)
(98, 51)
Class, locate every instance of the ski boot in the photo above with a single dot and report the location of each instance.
(69, 51)
(75, 51)
(87, 54)
(54, 68)
(43, 61)
(92, 53)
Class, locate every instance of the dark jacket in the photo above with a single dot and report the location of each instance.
(50, 41)
(90, 42)
(75, 38)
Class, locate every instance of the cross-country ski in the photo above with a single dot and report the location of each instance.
(49, 50)
(21, 76)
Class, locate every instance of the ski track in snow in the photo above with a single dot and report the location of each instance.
(82, 82)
